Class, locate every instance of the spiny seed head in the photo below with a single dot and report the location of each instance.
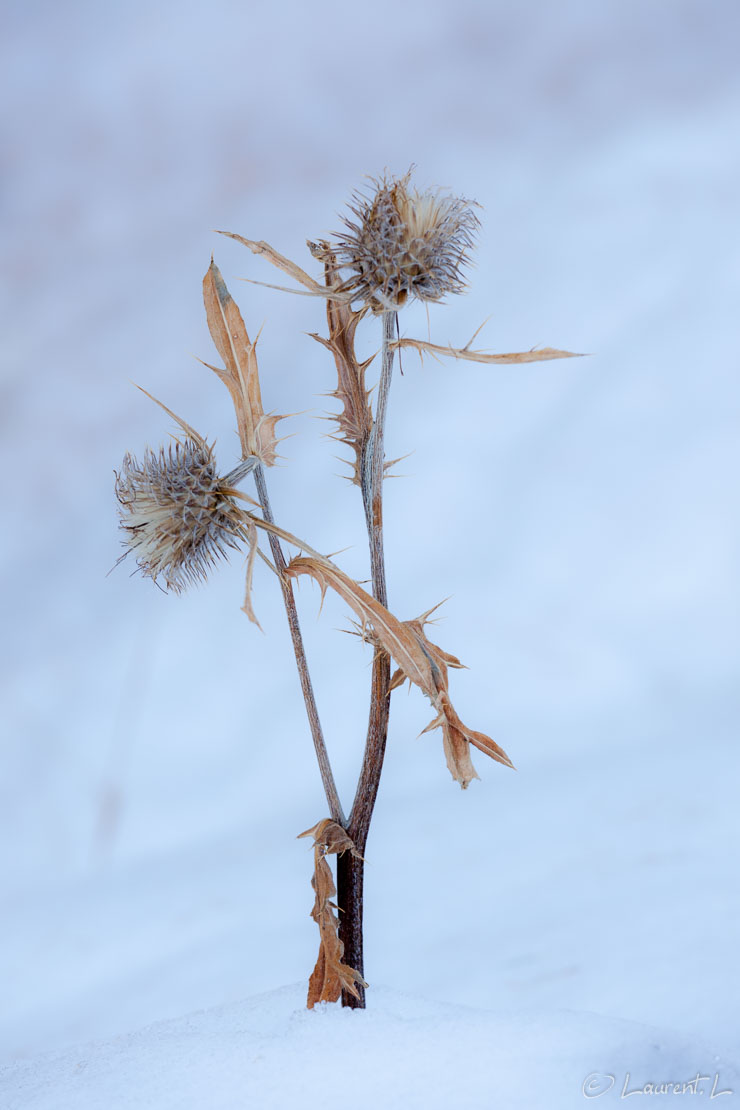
(404, 244)
(177, 515)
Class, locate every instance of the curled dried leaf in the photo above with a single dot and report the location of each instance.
(457, 737)
(330, 836)
(330, 976)
(240, 374)
(544, 354)
(418, 659)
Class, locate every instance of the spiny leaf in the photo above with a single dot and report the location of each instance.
(419, 660)
(240, 376)
(457, 737)
(355, 421)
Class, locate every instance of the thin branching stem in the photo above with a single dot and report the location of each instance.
(312, 713)
(350, 869)
(373, 471)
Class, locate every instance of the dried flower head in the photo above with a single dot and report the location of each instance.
(179, 517)
(404, 244)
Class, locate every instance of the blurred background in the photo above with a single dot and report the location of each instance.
(580, 516)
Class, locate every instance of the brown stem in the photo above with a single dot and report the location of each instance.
(350, 870)
(327, 777)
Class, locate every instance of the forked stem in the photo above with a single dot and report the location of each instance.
(312, 713)
(350, 870)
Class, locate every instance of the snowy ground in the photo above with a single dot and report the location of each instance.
(578, 916)
(403, 1053)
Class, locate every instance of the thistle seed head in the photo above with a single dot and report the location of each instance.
(402, 244)
(178, 516)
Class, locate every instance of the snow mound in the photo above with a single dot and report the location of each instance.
(270, 1052)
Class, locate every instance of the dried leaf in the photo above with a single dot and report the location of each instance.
(330, 976)
(275, 530)
(457, 737)
(331, 837)
(313, 288)
(419, 660)
(543, 355)
(356, 420)
(240, 376)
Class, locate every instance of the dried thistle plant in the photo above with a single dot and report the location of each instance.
(179, 517)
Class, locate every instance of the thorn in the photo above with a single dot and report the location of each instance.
(476, 332)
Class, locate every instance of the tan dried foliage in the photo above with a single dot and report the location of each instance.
(251, 531)
(330, 976)
(420, 661)
(355, 421)
(240, 376)
(544, 354)
(178, 420)
(457, 737)
(311, 288)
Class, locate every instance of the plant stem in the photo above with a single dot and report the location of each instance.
(350, 870)
(312, 713)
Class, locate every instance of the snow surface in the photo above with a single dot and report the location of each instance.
(582, 517)
(403, 1053)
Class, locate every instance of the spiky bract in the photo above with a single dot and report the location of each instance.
(403, 244)
(179, 517)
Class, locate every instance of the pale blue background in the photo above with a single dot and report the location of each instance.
(582, 516)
